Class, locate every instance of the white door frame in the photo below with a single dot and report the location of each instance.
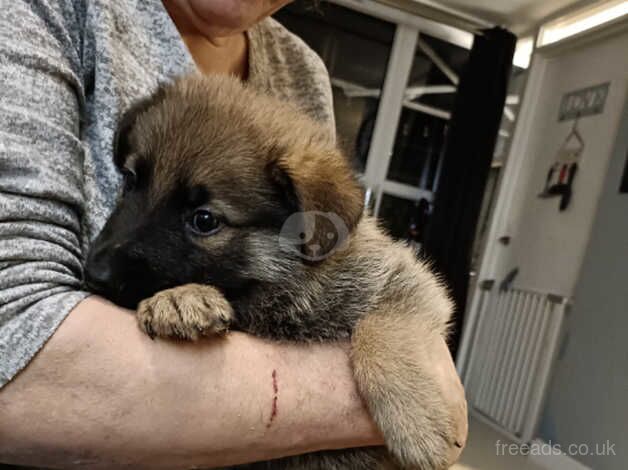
(389, 110)
(442, 31)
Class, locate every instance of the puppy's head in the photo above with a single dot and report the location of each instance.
(221, 186)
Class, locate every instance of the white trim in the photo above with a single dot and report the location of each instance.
(585, 38)
(389, 111)
(582, 20)
(555, 461)
(438, 61)
(427, 109)
(438, 30)
(354, 90)
(414, 92)
(406, 191)
(509, 113)
(513, 100)
(454, 13)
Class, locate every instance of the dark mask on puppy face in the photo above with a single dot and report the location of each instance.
(221, 186)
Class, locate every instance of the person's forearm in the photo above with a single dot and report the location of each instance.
(102, 394)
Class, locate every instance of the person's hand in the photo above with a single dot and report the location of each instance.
(446, 376)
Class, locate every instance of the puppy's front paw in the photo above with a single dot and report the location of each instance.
(185, 312)
(399, 378)
(427, 442)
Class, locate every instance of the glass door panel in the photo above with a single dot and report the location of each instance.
(428, 104)
(355, 48)
(411, 177)
(417, 150)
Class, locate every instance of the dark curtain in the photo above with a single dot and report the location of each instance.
(466, 163)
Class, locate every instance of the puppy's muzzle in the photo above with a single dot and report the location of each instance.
(116, 272)
(98, 271)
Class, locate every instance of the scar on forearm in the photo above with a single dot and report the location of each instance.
(273, 411)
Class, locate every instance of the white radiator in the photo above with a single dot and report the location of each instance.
(511, 352)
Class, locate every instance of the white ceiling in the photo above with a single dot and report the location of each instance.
(520, 16)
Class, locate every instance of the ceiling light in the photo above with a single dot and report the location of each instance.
(585, 20)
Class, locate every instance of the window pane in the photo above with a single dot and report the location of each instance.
(430, 99)
(418, 148)
(355, 49)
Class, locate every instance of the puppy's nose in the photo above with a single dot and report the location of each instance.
(98, 272)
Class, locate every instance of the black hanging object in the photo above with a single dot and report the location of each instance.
(561, 175)
(467, 161)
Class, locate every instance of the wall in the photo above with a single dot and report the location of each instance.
(547, 245)
(588, 398)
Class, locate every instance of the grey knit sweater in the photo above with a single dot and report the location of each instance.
(68, 71)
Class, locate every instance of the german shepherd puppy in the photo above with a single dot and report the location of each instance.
(238, 212)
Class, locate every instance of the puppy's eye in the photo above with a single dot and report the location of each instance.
(203, 222)
(129, 180)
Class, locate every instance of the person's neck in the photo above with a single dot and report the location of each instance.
(212, 55)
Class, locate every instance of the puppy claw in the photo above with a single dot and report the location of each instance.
(149, 331)
(186, 312)
(146, 327)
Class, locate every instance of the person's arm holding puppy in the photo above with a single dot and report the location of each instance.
(102, 394)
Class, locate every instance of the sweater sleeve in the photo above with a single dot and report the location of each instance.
(41, 175)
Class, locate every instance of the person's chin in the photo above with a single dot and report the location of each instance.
(222, 18)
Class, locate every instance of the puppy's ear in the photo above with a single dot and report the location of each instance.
(121, 140)
(322, 191)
